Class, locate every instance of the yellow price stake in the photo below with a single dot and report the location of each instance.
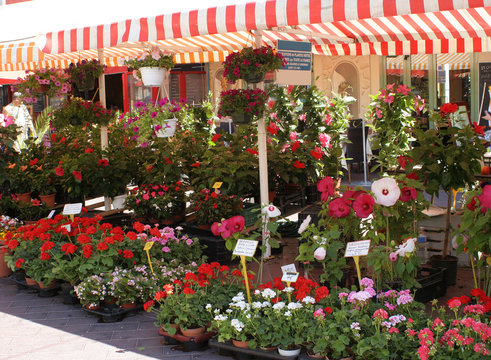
(244, 273)
(148, 246)
(217, 185)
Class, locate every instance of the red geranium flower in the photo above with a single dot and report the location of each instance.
(321, 293)
(128, 254)
(69, 248)
(45, 256)
(103, 162)
(328, 310)
(19, 263)
(298, 164)
(478, 129)
(148, 304)
(87, 251)
(102, 246)
(188, 291)
(77, 175)
(160, 295)
(33, 162)
(273, 128)
(48, 245)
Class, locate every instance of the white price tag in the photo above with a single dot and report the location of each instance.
(51, 213)
(357, 248)
(290, 276)
(245, 247)
(288, 268)
(68, 227)
(72, 209)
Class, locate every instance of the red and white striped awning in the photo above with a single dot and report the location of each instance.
(335, 27)
(420, 61)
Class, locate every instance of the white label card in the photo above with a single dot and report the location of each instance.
(68, 227)
(288, 268)
(72, 209)
(51, 213)
(245, 247)
(290, 276)
(357, 248)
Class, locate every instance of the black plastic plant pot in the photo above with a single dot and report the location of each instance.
(449, 263)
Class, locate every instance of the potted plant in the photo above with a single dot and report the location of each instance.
(91, 291)
(126, 287)
(150, 66)
(33, 211)
(213, 206)
(79, 112)
(474, 233)
(242, 104)
(251, 64)
(50, 82)
(160, 203)
(149, 121)
(20, 180)
(449, 157)
(392, 122)
(84, 73)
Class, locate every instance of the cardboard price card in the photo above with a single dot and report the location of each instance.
(148, 245)
(357, 248)
(72, 209)
(289, 276)
(288, 268)
(245, 247)
(217, 185)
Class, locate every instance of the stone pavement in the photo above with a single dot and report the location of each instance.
(37, 328)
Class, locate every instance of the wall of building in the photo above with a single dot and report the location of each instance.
(359, 76)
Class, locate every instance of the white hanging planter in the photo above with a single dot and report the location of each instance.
(168, 128)
(152, 76)
(118, 201)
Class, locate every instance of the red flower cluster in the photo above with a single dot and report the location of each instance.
(448, 108)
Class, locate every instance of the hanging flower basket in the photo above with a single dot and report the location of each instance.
(168, 128)
(242, 105)
(252, 64)
(152, 76)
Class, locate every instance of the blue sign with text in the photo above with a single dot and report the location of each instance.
(297, 54)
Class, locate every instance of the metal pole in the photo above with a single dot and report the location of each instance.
(102, 98)
(263, 163)
(363, 137)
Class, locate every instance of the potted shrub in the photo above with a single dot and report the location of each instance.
(33, 211)
(213, 206)
(242, 104)
(84, 73)
(50, 82)
(126, 287)
(252, 64)
(150, 66)
(91, 291)
(449, 157)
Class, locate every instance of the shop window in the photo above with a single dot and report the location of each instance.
(394, 69)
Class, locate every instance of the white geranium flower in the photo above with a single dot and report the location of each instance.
(294, 305)
(268, 293)
(271, 210)
(257, 305)
(288, 289)
(386, 191)
(288, 313)
(279, 305)
(208, 306)
(308, 300)
(304, 224)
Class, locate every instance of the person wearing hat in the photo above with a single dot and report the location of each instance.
(19, 111)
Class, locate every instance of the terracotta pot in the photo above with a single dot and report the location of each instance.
(25, 197)
(49, 200)
(315, 356)
(271, 348)
(130, 305)
(110, 300)
(240, 344)
(30, 222)
(193, 332)
(204, 227)
(92, 306)
(4, 269)
(30, 281)
(51, 285)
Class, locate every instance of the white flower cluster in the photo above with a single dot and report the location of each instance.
(294, 305)
(393, 321)
(268, 293)
(220, 317)
(308, 300)
(288, 289)
(279, 305)
(237, 324)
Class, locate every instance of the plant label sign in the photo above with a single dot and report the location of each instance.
(67, 227)
(245, 247)
(288, 268)
(357, 248)
(72, 209)
(51, 213)
(290, 276)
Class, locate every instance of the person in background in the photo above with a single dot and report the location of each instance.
(19, 111)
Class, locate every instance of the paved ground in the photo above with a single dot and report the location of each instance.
(32, 327)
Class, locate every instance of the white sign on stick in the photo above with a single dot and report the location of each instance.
(288, 268)
(51, 213)
(245, 247)
(72, 209)
(290, 276)
(357, 248)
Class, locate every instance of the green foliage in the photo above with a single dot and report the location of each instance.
(78, 112)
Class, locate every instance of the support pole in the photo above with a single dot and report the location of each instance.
(263, 166)
(102, 97)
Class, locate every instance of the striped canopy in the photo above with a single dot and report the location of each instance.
(335, 27)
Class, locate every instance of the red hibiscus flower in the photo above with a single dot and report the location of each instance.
(103, 162)
(326, 187)
(77, 175)
(298, 164)
(403, 161)
(363, 205)
(89, 150)
(33, 162)
(408, 194)
(273, 128)
(252, 152)
(236, 223)
(339, 208)
(59, 171)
